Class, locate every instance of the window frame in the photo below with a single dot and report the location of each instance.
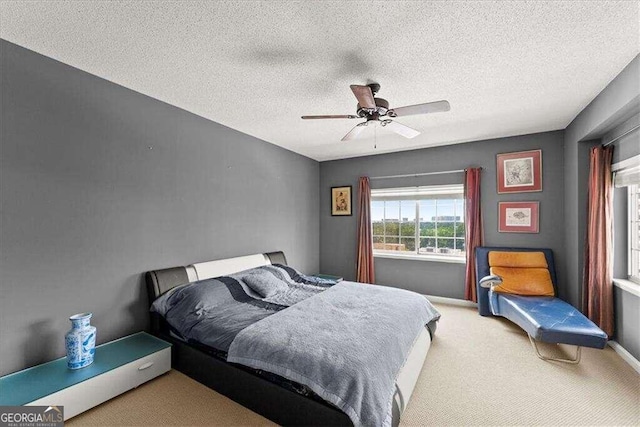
(421, 193)
(633, 234)
(625, 174)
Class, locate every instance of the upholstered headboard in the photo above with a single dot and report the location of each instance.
(161, 281)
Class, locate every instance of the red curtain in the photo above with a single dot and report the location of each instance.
(597, 296)
(472, 228)
(364, 265)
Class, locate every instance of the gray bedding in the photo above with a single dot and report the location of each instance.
(346, 344)
(326, 336)
(213, 311)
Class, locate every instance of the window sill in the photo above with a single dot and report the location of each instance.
(628, 285)
(432, 258)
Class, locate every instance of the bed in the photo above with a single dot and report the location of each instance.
(277, 397)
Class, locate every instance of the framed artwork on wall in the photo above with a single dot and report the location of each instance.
(341, 201)
(518, 217)
(520, 172)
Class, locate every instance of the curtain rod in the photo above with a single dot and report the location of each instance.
(417, 174)
(621, 136)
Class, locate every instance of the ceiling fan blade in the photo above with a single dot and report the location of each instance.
(364, 95)
(429, 107)
(353, 133)
(344, 116)
(400, 129)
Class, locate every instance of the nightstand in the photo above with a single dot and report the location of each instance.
(118, 366)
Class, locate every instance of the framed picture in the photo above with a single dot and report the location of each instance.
(341, 201)
(518, 217)
(520, 172)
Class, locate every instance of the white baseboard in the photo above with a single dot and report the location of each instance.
(451, 301)
(626, 356)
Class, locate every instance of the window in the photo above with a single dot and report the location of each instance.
(419, 222)
(627, 174)
(634, 232)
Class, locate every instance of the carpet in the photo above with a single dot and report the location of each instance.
(479, 371)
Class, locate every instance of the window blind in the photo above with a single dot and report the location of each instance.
(627, 173)
(419, 193)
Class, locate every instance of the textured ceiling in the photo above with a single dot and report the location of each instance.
(506, 67)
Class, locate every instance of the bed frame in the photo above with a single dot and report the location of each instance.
(242, 384)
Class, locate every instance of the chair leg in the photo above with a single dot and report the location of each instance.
(573, 361)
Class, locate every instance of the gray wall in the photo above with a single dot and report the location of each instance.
(338, 234)
(627, 308)
(576, 175)
(612, 111)
(99, 184)
(616, 103)
(626, 137)
(626, 145)
(626, 304)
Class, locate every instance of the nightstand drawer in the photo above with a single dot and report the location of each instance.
(87, 394)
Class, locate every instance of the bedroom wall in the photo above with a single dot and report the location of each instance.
(626, 304)
(338, 234)
(99, 184)
(618, 101)
(627, 138)
(615, 107)
(626, 146)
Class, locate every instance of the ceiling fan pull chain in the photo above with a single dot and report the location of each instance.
(375, 137)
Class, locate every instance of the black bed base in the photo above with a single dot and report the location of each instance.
(241, 384)
(280, 405)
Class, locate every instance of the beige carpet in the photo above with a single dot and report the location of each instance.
(479, 371)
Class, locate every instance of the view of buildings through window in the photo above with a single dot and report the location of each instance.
(419, 220)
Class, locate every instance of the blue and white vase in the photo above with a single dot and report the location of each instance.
(80, 341)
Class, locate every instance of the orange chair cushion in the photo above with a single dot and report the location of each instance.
(524, 281)
(517, 259)
(523, 273)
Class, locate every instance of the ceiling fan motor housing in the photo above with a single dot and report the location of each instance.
(382, 106)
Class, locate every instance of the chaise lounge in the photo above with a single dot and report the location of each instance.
(520, 284)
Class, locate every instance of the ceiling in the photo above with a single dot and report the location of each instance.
(506, 67)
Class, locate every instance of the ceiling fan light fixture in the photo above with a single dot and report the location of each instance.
(357, 130)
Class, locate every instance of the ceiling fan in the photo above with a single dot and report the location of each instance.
(377, 110)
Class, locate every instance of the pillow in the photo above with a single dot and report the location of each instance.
(265, 284)
(522, 273)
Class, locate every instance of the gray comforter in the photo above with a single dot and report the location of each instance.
(347, 344)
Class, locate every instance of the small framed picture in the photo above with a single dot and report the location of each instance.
(520, 172)
(341, 201)
(518, 217)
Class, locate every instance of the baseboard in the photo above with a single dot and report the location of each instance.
(451, 301)
(626, 356)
